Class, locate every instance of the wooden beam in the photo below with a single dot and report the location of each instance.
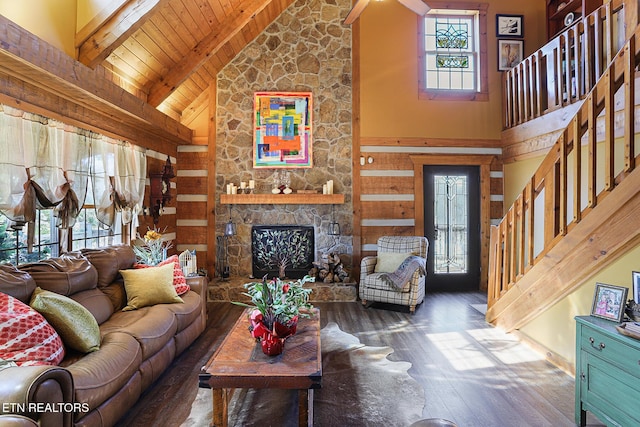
(29, 59)
(355, 11)
(116, 29)
(212, 246)
(109, 10)
(233, 24)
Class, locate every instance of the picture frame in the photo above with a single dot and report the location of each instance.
(609, 302)
(509, 26)
(510, 53)
(282, 130)
(635, 278)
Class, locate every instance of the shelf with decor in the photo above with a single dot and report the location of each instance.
(561, 14)
(282, 199)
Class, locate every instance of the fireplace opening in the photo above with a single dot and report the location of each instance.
(282, 250)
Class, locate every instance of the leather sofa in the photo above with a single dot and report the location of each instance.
(97, 388)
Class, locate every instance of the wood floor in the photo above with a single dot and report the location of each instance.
(472, 373)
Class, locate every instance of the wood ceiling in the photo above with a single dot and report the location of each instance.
(167, 52)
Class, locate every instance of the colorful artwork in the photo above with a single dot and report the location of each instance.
(282, 130)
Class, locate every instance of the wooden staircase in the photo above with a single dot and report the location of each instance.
(581, 209)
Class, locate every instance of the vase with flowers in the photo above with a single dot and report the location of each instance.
(277, 306)
(151, 249)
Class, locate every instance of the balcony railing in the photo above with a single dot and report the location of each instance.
(564, 70)
(592, 156)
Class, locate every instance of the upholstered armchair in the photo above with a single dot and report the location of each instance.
(394, 252)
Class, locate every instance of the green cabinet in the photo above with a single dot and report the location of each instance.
(607, 373)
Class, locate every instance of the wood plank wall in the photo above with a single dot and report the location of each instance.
(389, 182)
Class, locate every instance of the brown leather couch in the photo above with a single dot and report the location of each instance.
(97, 388)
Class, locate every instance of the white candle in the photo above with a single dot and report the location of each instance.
(330, 186)
(324, 188)
(252, 184)
(243, 185)
(228, 188)
(234, 189)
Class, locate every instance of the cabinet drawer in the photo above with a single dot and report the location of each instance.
(614, 351)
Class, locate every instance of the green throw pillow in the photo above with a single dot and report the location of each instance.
(388, 262)
(149, 286)
(74, 323)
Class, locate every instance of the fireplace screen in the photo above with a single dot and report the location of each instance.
(282, 250)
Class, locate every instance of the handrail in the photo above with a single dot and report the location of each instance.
(564, 70)
(580, 170)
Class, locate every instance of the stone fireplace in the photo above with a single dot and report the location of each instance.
(282, 250)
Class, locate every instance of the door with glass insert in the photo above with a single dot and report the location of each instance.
(452, 226)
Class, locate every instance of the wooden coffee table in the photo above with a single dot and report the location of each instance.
(240, 363)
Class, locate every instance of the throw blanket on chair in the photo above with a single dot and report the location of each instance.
(404, 272)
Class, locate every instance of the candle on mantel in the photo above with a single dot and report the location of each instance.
(252, 184)
(243, 185)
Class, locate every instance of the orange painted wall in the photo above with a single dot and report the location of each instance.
(389, 76)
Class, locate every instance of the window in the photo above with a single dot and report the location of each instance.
(88, 232)
(13, 240)
(453, 63)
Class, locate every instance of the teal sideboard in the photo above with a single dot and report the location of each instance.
(607, 373)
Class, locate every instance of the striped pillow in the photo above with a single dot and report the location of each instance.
(26, 338)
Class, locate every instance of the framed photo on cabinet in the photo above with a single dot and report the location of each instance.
(635, 275)
(609, 302)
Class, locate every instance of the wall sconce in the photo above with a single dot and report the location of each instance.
(230, 228)
(160, 191)
(334, 227)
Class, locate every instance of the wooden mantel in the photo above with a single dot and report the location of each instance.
(282, 199)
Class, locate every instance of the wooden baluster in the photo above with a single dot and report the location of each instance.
(530, 189)
(629, 106)
(562, 196)
(591, 142)
(577, 167)
(609, 130)
(520, 234)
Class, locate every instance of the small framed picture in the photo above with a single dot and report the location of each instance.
(635, 275)
(609, 302)
(510, 26)
(509, 54)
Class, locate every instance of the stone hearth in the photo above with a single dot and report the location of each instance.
(232, 288)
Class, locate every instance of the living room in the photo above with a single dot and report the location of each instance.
(373, 126)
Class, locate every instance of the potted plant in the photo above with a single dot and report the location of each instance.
(277, 307)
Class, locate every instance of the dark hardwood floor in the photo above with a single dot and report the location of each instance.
(472, 373)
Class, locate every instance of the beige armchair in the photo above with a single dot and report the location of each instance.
(375, 285)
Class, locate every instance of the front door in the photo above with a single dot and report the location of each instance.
(452, 226)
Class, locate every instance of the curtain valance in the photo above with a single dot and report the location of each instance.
(47, 164)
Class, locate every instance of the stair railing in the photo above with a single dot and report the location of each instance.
(593, 154)
(564, 70)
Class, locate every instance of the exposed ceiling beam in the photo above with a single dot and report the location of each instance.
(115, 30)
(233, 24)
(355, 11)
(32, 60)
(110, 9)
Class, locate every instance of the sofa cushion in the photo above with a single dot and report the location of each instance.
(152, 327)
(26, 337)
(75, 324)
(65, 275)
(17, 283)
(99, 375)
(109, 261)
(149, 286)
(179, 281)
(97, 302)
(187, 312)
(388, 262)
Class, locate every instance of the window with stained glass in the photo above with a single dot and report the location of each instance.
(451, 50)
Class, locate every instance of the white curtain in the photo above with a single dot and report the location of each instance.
(47, 164)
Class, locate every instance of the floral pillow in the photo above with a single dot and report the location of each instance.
(179, 281)
(26, 338)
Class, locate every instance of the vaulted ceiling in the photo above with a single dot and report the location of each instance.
(167, 52)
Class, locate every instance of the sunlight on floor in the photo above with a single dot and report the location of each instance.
(504, 346)
(459, 351)
(464, 354)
